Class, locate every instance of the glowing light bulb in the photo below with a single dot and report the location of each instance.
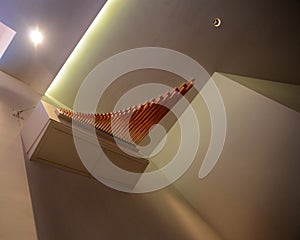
(36, 36)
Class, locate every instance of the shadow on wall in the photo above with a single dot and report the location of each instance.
(69, 206)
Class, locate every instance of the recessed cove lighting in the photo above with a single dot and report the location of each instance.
(36, 36)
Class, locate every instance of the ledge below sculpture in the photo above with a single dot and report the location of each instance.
(48, 139)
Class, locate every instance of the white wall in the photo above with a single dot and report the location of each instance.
(16, 215)
(254, 190)
(252, 193)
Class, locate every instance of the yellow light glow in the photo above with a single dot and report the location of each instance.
(80, 49)
(36, 36)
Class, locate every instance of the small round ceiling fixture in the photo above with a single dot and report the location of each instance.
(217, 22)
(36, 36)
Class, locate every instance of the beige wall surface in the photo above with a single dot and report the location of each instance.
(252, 193)
(16, 215)
(254, 190)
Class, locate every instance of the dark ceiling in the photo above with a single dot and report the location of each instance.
(63, 23)
(257, 38)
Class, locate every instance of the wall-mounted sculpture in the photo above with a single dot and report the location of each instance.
(140, 118)
(48, 136)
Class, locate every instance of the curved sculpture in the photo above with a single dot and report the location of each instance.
(140, 118)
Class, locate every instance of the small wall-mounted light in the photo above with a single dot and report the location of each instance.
(217, 22)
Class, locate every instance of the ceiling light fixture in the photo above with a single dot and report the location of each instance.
(36, 36)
